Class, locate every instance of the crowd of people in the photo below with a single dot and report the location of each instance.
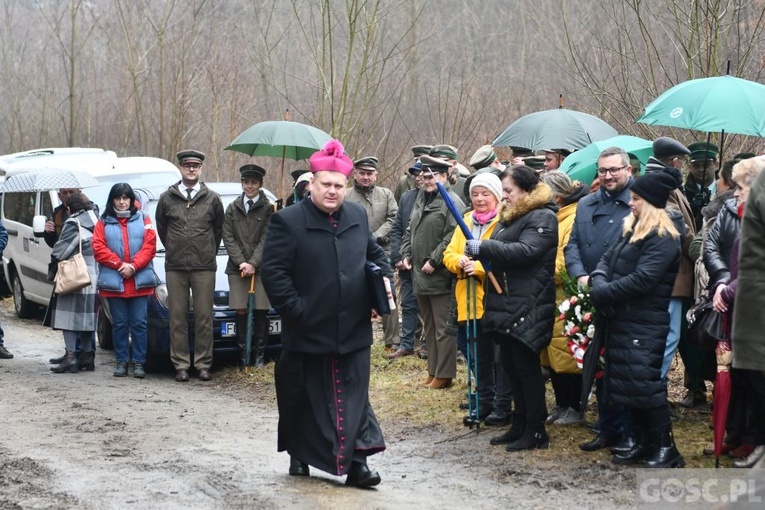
(644, 243)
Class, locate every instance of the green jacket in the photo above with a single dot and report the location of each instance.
(429, 232)
(245, 233)
(190, 230)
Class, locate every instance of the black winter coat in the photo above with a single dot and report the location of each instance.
(632, 286)
(314, 276)
(719, 244)
(522, 253)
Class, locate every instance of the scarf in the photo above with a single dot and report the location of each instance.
(483, 218)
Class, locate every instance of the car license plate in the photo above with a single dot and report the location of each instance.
(275, 327)
(227, 329)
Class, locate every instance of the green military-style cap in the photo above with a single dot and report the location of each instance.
(419, 150)
(703, 151)
(483, 157)
(435, 164)
(744, 155)
(190, 155)
(521, 152)
(369, 163)
(443, 151)
(251, 171)
(535, 162)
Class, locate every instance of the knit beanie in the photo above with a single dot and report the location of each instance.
(655, 188)
(489, 181)
(331, 158)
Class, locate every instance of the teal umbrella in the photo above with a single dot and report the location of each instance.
(554, 129)
(582, 165)
(280, 139)
(721, 103)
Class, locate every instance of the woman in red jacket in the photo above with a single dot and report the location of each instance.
(124, 244)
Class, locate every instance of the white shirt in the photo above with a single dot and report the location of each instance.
(196, 189)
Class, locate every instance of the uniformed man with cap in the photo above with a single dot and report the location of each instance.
(381, 209)
(411, 325)
(700, 181)
(430, 229)
(244, 234)
(458, 173)
(406, 181)
(483, 160)
(190, 226)
(669, 157)
(554, 158)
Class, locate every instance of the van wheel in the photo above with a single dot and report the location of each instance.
(104, 329)
(25, 309)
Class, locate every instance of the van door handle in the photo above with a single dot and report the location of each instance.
(12, 232)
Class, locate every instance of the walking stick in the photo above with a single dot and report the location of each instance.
(248, 336)
(471, 333)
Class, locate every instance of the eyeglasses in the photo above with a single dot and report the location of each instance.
(612, 171)
(191, 165)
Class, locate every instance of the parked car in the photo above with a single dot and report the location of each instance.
(224, 318)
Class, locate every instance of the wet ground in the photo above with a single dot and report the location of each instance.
(90, 440)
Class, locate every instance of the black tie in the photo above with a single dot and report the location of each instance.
(188, 194)
(250, 205)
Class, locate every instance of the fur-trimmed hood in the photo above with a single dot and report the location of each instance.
(541, 196)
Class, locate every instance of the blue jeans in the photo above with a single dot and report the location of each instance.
(673, 338)
(129, 317)
(409, 316)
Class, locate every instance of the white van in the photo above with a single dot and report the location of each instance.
(26, 257)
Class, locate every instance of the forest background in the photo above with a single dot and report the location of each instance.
(150, 77)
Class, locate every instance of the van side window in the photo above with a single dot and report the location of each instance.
(20, 207)
(46, 207)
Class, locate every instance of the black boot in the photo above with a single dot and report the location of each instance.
(642, 448)
(70, 364)
(298, 467)
(665, 454)
(56, 361)
(530, 440)
(241, 338)
(514, 433)
(360, 476)
(260, 338)
(87, 361)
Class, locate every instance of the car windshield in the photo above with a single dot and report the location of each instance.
(151, 208)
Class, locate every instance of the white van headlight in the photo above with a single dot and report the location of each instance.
(160, 291)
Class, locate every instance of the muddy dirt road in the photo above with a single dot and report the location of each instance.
(90, 440)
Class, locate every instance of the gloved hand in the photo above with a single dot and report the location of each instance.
(473, 247)
(383, 240)
(701, 199)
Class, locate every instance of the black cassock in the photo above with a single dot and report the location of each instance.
(325, 418)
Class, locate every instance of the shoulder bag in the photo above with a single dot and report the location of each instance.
(73, 274)
(705, 325)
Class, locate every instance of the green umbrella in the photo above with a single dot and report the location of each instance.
(582, 165)
(280, 139)
(721, 103)
(554, 129)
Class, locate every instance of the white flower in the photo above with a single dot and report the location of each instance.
(581, 296)
(569, 326)
(565, 306)
(578, 313)
(591, 331)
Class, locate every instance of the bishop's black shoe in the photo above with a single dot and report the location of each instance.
(360, 476)
(298, 467)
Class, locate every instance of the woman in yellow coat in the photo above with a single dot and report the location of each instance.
(485, 195)
(565, 377)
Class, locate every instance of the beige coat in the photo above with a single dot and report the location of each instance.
(381, 209)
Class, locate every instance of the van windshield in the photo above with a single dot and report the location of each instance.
(99, 194)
